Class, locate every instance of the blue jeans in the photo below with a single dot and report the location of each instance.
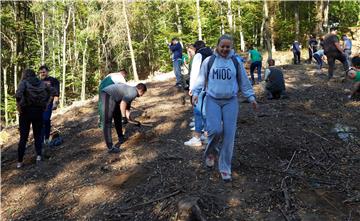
(347, 55)
(45, 131)
(318, 60)
(200, 113)
(221, 117)
(177, 70)
(256, 64)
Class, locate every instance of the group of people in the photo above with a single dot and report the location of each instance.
(36, 98)
(326, 48)
(216, 78)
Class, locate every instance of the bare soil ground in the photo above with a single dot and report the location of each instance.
(288, 164)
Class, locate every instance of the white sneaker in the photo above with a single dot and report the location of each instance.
(210, 161)
(193, 142)
(204, 139)
(193, 128)
(38, 159)
(192, 124)
(19, 165)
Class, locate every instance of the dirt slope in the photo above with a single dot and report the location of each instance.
(288, 164)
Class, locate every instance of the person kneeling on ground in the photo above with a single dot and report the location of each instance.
(112, 96)
(355, 76)
(275, 84)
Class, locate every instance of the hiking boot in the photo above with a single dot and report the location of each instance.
(114, 150)
(226, 177)
(19, 165)
(210, 161)
(193, 142)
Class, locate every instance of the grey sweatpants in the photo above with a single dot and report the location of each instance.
(221, 117)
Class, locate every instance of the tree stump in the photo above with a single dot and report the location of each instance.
(188, 210)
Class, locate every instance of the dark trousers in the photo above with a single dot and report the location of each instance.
(296, 57)
(255, 65)
(46, 128)
(311, 52)
(331, 57)
(30, 116)
(110, 110)
(274, 91)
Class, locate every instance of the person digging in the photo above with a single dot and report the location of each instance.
(123, 95)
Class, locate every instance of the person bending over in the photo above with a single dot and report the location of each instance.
(114, 96)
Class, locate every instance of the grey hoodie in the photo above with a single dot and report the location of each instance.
(222, 81)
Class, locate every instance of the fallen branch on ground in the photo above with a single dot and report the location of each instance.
(152, 201)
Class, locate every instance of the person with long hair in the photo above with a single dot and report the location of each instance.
(222, 76)
(32, 98)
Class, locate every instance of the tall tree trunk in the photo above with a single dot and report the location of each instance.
(53, 53)
(297, 23)
(319, 16)
(326, 15)
(222, 28)
(178, 24)
(83, 81)
(75, 67)
(262, 34)
(53, 42)
(267, 33)
(64, 58)
(14, 53)
(198, 19)
(6, 97)
(43, 36)
(229, 15)
(136, 77)
(242, 42)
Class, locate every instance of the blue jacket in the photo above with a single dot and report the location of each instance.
(222, 81)
(176, 50)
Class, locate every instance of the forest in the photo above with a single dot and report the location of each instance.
(82, 41)
(293, 158)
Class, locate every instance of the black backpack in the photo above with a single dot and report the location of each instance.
(36, 95)
(205, 52)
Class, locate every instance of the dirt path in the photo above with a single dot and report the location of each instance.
(288, 165)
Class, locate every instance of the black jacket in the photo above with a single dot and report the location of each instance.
(32, 92)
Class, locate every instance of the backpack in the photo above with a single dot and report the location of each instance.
(205, 52)
(36, 96)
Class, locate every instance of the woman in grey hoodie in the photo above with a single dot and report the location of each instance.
(222, 81)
